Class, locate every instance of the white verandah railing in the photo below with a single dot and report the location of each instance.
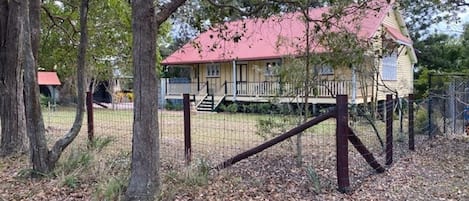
(326, 88)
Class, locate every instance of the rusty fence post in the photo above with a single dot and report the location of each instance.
(187, 128)
(389, 138)
(411, 123)
(89, 114)
(342, 144)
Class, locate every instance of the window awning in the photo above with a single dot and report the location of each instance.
(397, 36)
(48, 78)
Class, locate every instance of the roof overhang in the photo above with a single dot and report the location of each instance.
(398, 37)
(48, 78)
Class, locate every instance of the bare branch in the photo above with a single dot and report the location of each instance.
(168, 9)
(54, 18)
(257, 9)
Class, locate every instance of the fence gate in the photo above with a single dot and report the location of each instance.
(448, 103)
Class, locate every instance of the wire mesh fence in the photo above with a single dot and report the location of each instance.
(218, 136)
(447, 104)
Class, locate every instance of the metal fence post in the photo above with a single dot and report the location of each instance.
(89, 114)
(389, 118)
(187, 129)
(430, 105)
(411, 123)
(342, 144)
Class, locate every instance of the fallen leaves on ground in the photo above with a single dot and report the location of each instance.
(437, 170)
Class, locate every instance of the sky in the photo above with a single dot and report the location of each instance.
(452, 28)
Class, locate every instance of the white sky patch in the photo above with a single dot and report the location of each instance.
(452, 28)
(59, 4)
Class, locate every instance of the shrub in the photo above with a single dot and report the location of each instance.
(44, 100)
(421, 121)
(231, 108)
(172, 106)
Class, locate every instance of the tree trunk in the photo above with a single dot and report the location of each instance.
(43, 159)
(35, 124)
(144, 179)
(13, 124)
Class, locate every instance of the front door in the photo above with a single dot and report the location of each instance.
(241, 78)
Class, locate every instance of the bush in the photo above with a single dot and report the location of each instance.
(421, 121)
(172, 106)
(44, 100)
(231, 108)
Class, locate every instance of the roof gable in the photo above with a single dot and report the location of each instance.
(274, 37)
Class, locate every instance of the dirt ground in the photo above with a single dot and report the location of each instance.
(437, 170)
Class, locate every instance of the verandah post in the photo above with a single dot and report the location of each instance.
(411, 123)
(342, 144)
(187, 128)
(389, 138)
(226, 88)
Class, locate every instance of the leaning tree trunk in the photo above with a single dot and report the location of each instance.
(144, 179)
(43, 159)
(12, 116)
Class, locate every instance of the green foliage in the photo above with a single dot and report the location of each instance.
(268, 127)
(421, 121)
(173, 106)
(110, 38)
(99, 143)
(112, 189)
(77, 159)
(440, 54)
(44, 100)
(422, 14)
(231, 108)
(71, 181)
(197, 174)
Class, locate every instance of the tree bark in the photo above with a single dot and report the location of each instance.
(68, 138)
(43, 159)
(35, 22)
(13, 124)
(144, 179)
(35, 124)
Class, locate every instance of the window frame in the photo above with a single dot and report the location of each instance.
(213, 70)
(389, 70)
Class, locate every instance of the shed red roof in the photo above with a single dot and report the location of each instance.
(274, 37)
(48, 78)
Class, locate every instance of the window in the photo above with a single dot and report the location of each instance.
(213, 70)
(270, 68)
(326, 70)
(389, 71)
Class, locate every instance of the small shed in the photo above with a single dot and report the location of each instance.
(48, 81)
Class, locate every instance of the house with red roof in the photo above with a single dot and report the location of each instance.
(240, 61)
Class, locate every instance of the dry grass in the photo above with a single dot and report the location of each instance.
(215, 137)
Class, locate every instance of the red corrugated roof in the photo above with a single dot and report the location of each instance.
(398, 36)
(48, 78)
(270, 38)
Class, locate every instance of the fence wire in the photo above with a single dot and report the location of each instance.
(218, 136)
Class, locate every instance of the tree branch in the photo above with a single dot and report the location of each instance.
(167, 9)
(53, 18)
(257, 9)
